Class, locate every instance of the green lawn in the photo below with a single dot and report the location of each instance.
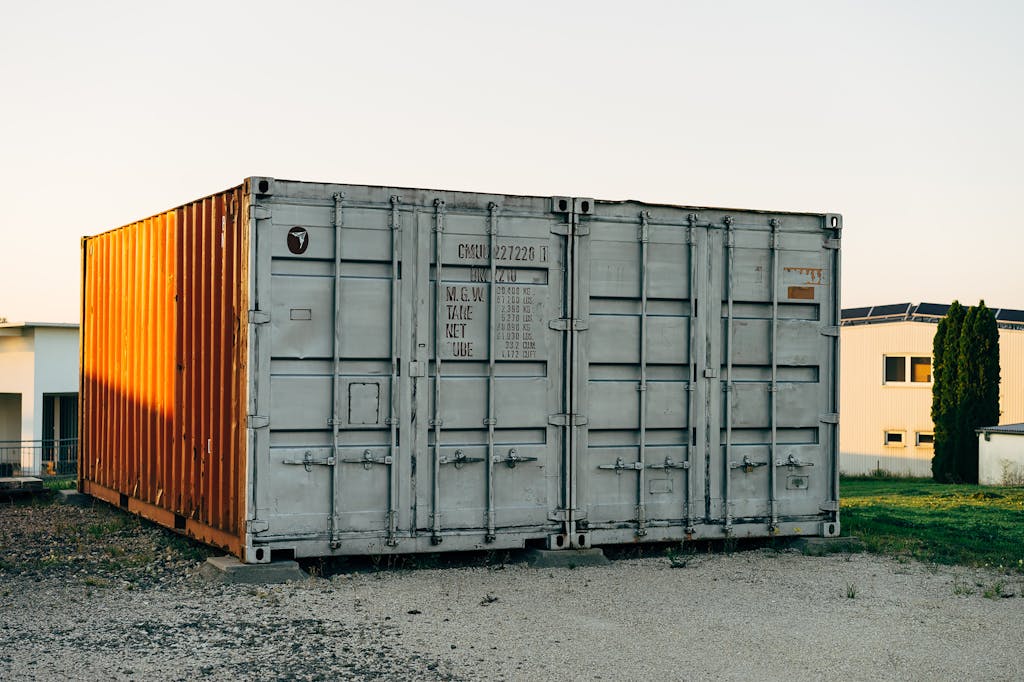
(947, 524)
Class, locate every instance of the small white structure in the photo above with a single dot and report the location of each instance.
(1001, 455)
(38, 395)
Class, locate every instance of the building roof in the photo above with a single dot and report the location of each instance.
(1006, 318)
(26, 325)
(21, 328)
(1003, 428)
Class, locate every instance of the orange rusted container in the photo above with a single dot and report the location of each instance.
(163, 366)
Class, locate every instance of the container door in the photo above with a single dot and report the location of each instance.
(775, 342)
(334, 462)
(492, 281)
(640, 456)
(403, 413)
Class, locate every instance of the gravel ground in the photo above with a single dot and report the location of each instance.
(94, 594)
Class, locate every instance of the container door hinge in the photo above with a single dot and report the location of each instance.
(572, 208)
(258, 317)
(567, 419)
(564, 324)
(622, 465)
(830, 505)
(417, 369)
(565, 230)
(830, 331)
(369, 459)
(308, 461)
(566, 515)
(793, 461)
(830, 418)
(746, 465)
(512, 459)
(669, 464)
(832, 243)
(257, 212)
(257, 421)
(255, 526)
(459, 459)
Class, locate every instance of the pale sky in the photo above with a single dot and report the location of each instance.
(907, 118)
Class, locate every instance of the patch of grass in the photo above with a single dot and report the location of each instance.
(60, 483)
(851, 591)
(935, 522)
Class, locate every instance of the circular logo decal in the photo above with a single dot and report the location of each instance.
(298, 240)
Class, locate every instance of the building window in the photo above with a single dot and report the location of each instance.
(60, 433)
(908, 369)
(921, 370)
(894, 439)
(925, 439)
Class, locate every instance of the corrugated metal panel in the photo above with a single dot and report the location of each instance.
(709, 345)
(163, 368)
(434, 423)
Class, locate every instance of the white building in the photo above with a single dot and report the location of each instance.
(38, 396)
(1001, 455)
(886, 385)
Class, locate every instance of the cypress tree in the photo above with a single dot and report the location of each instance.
(945, 382)
(966, 395)
(978, 387)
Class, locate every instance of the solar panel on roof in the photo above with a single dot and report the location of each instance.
(893, 309)
(1010, 315)
(855, 313)
(937, 309)
(880, 312)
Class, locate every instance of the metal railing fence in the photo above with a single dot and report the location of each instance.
(52, 458)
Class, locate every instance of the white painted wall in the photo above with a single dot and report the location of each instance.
(1001, 459)
(17, 375)
(56, 368)
(35, 360)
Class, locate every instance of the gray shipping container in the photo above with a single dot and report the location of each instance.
(432, 370)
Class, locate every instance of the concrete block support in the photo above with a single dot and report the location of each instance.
(229, 570)
(823, 546)
(566, 558)
(74, 498)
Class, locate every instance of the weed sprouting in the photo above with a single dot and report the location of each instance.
(961, 588)
(995, 590)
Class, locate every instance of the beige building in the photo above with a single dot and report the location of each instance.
(885, 385)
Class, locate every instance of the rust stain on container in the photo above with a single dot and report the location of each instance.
(163, 363)
(815, 276)
(802, 293)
